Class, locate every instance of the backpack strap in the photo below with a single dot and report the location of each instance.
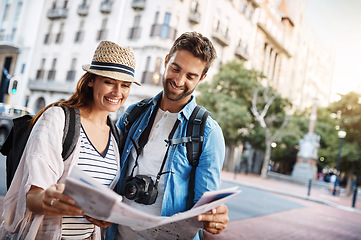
(195, 130)
(71, 130)
(134, 114)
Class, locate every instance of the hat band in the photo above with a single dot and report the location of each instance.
(114, 67)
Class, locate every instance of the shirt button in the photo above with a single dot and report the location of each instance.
(165, 115)
(157, 126)
(127, 150)
(140, 130)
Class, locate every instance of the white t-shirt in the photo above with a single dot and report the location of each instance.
(150, 161)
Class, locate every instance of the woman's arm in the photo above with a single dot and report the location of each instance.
(51, 201)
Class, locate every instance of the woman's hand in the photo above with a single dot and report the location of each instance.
(99, 223)
(51, 201)
(216, 221)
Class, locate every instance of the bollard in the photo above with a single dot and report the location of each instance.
(354, 196)
(309, 187)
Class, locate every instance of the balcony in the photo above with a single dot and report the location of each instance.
(52, 86)
(105, 7)
(163, 31)
(221, 37)
(138, 5)
(83, 10)
(134, 33)
(194, 17)
(242, 53)
(57, 13)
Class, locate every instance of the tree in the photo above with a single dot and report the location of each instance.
(228, 97)
(349, 107)
(263, 99)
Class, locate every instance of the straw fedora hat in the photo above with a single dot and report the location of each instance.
(113, 61)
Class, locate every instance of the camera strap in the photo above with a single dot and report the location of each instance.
(143, 139)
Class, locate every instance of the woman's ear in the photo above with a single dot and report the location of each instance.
(91, 83)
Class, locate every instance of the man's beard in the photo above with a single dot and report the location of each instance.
(173, 97)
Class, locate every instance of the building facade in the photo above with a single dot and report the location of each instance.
(269, 35)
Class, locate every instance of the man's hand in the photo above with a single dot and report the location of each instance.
(99, 223)
(216, 221)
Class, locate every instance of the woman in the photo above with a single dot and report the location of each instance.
(34, 207)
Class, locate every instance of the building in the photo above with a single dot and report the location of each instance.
(269, 35)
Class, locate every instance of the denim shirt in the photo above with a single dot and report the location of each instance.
(207, 177)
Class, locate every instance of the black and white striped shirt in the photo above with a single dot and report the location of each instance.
(103, 168)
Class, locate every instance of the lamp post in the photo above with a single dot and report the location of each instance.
(341, 136)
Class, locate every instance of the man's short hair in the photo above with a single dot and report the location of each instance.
(199, 45)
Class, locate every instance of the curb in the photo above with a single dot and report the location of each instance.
(350, 209)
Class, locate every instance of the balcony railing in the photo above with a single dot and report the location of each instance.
(195, 17)
(51, 75)
(40, 74)
(79, 36)
(105, 7)
(163, 31)
(138, 5)
(134, 33)
(53, 86)
(242, 53)
(70, 76)
(83, 10)
(57, 13)
(221, 37)
(47, 38)
(6, 37)
(59, 37)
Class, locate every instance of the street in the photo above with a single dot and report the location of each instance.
(258, 213)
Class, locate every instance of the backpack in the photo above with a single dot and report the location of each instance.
(193, 138)
(16, 141)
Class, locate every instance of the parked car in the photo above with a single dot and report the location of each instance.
(7, 114)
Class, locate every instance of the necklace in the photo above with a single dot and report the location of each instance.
(90, 119)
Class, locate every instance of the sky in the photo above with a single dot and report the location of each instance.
(338, 25)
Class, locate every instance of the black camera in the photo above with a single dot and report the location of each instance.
(140, 189)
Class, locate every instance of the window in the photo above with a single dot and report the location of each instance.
(156, 74)
(40, 72)
(165, 29)
(47, 36)
(52, 71)
(59, 36)
(71, 73)
(146, 72)
(102, 33)
(79, 34)
(135, 30)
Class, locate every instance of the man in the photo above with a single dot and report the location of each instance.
(186, 66)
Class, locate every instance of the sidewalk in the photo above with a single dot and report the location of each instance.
(317, 194)
(323, 216)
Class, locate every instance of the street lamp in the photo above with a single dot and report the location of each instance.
(341, 136)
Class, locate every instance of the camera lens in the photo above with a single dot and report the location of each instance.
(131, 191)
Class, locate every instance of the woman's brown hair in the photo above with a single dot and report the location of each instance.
(82, 97)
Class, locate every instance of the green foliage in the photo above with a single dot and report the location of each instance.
(228, 97)
(349, 107)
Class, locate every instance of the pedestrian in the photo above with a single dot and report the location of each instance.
(34, 206)
(186, 66)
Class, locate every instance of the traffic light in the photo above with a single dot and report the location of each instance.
(13, 86)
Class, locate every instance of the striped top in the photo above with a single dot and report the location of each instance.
(103, 168)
